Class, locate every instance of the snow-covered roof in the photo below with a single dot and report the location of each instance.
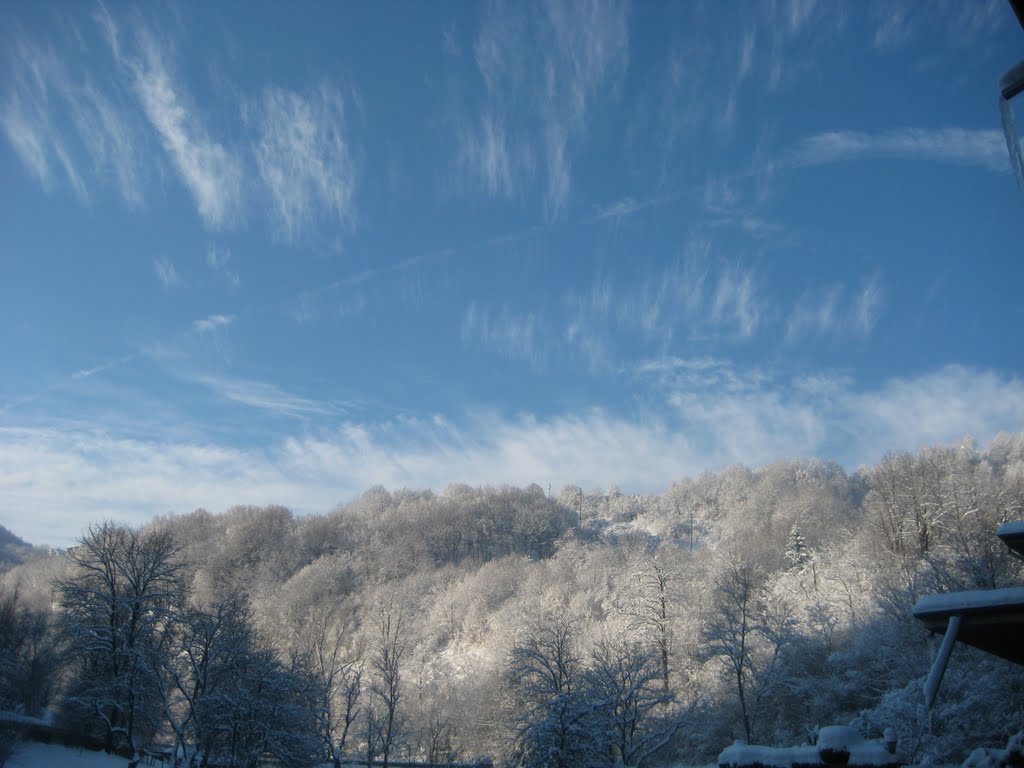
(1013, 528)
(976, 601)
(990, 619)
(1012, 534)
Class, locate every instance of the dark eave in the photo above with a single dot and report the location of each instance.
(992, 620)
(1012, 535)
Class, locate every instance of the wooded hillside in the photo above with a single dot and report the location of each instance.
(582, 627)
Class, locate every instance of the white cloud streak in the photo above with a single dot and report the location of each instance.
(703, 296)
(52, 113)
(112, 140)
(753, 417)
(591, 321)
(627, 206)
(722, 415)
(484, 154)
(542, 73)
(211, 173)
(512, 335)
(165, 271)
(975, 147)
(218, 259)
(37, 81)
(304, 159)
(963, 24)
(212, 323)
(867, 306)
(695, 296)
(87, 373)
(69, 126)
(735, 301)
(834, 311)
(263, 396)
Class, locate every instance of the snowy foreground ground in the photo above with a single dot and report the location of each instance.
(34, 755)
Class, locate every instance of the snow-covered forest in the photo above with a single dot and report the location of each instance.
(573, 627)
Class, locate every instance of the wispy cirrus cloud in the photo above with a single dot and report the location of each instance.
(627, 206)
(212, 323)
(65, 127)
(218, 260)
(86, 373)
(165, 271)
(512, 335)
(705, 90)
(735, 302)
(264, 396)
(898, 22)
(593, 316)
(675, 374)
(303, 158)
(209, 170)
(816, 312)
(833, 310)
(978, 147)
(696, 296)
(37, 80)
(737, 202)
(575, 51)
(893, 28)
(80, 126)
(703, 295)
(484, 154)
(113, 140)
(868, 305)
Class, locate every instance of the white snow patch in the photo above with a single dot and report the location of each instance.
(740, 754)
(998, 758)
(985, 758)
(838, 738)
(34, 755)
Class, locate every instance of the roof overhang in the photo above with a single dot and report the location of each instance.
(990, 619)
(1012, 535)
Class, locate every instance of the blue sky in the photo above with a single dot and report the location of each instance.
(281, 252)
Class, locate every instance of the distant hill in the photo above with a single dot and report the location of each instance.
(13, 550)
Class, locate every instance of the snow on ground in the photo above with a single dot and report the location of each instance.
(32, 754)
(832, 738)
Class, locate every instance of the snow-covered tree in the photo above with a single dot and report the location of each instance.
(797, 553)
(386, 684)
(28, 662)
(651, 600)
(116, 607)
(554, 722)
(233, 698)
(338, 670)
(624, 681)
(747, 634)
